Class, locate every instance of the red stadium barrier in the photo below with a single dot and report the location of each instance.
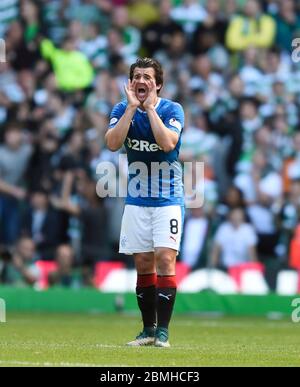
(45, 268)
(294, 261)
(236, 272)
(182, 270)
(102, 269)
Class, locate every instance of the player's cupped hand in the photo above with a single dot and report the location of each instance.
(130, 94)
(151, 100)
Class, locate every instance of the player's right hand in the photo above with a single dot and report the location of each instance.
(130, 94)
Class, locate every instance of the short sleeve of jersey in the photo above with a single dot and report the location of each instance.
(174, 118)
(116, 114)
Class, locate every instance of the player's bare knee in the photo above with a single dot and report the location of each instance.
(166, 263)
(144, 263)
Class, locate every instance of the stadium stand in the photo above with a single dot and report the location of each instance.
(228, 63)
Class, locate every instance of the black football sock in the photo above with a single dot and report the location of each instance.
(166, 294)
(146, 298)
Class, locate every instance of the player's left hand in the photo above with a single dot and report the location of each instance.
(151, 100)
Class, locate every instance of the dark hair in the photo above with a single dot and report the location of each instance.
(40, 190)
(13, 126)
(144, 63)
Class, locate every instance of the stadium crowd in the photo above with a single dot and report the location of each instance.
(229, 63)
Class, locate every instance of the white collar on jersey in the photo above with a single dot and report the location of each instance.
(156, 106)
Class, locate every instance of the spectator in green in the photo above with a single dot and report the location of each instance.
(94, 45)
(54, 19)
(288, 25)
(254, 29)
(64, 274)
(21, 269)
(30, 16)
(72, 69)
(9, 12)
(91, 11)
(131, 36)
(189, 14)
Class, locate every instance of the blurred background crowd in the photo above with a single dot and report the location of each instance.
(228, 62)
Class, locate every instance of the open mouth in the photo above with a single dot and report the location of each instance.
(141, 92)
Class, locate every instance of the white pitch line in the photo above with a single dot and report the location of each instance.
(51, 364)
(61, 345)
(54, 346)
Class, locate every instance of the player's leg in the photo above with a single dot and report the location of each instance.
(167, 230)
(146, 297)
(166, 292)
(136, 239)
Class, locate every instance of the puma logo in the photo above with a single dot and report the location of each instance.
(165, 296)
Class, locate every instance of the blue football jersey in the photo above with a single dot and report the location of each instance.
(155, 177)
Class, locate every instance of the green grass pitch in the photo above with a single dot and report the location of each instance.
(98, 340)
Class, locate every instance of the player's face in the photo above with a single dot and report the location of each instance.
(141, 82)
